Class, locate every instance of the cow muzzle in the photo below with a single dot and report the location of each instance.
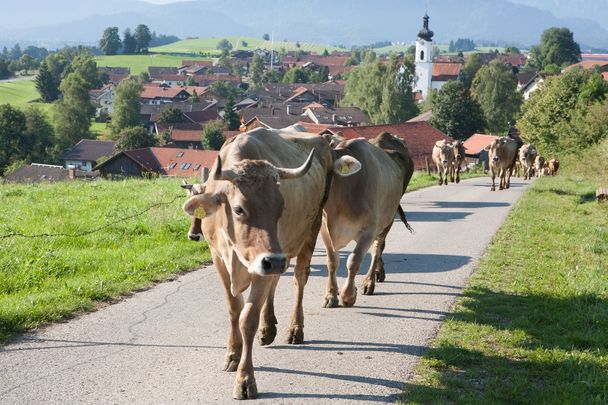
(458, 157)
(444, 162)
(196, 237)
(495, 158)
(269, 264)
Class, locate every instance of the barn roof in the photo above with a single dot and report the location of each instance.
(477, 142)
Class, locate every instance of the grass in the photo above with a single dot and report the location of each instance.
(48, 279)
(420, 179)
(208, 45)
(140, 63)
(531, 326)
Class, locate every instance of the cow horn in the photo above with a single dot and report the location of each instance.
(298, 171)
(185, 185)
(220, 174)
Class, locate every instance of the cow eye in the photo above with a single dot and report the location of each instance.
(239, 211)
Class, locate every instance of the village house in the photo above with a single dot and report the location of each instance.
(182, 135)
(38, 172)
(103, 99)
(162, 95)
(115, 74)
(171, 162)
(345, 116)
(86, 154)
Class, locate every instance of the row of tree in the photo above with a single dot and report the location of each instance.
(131, 43)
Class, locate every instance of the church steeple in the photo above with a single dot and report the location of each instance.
(425, 33)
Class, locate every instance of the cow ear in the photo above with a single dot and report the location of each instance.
(202, 205)
(488, 147)
(346, 166)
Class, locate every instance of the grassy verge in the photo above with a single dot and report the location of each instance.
(532, 324)
(47, 279)
(421, 180)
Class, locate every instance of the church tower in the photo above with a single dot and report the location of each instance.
(424, 58)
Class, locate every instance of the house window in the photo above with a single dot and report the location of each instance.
(180, 154)
(421, 55)
(172, 165)
(197, 166)
(185, 166)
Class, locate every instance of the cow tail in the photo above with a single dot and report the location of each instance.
(404, 220)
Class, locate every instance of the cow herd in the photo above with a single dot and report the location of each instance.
(271, 192)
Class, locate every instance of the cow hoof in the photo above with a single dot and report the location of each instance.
(380, 276)
(440, 182)
(245, 388)
(267, 334)
(493, 189)
(231, 363)
(457, 181)
(295, 335)
(368, 287)
(331, 301)
(348, 300)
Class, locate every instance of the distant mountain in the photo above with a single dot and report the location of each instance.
(335, 22)
(596, 10)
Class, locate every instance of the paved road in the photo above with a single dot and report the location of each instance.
(166, 345)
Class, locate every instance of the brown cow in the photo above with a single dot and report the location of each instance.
(443, 156)
(539, 164)
(527, 158)
(503, 153)
(457, 160)
(362, 208)
(257, 215)
(553, 166)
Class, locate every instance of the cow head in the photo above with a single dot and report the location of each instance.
(247, 205)
(445, 150)
(458, 150)
(195, 233)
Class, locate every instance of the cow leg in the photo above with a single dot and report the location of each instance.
(376, 265)
(457, 174)
(333, 262)
(349, 291)
(445, 175)
(452, 174)
(508, 179)
(234, 346)
(493, 180)
(440, 173)
(245, 386)
(268, 328)
(302, 271)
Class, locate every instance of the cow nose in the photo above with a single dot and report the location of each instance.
(495, 158)
(273, 264)
(457, 156)
(445, 161)
(194, 237)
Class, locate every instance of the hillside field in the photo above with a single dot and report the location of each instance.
(21, 94)
(140, 63)
(44, 279)
(208, 45)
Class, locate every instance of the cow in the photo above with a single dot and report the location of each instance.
(443, 156)
(257, 214)
(553, 166)
(527, 158)
(539, 164)
(362, 208)
(502, 155)
(457, 160)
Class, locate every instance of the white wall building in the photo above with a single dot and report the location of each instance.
(424, 59)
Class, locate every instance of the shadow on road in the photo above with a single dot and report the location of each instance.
(468, 204)
(435, 216)
(349, 346)
(75, 344)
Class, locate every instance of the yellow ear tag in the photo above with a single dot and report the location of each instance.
(199, 212)
(345, 169)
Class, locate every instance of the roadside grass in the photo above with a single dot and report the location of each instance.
(532, 325)
(140, 63)
(48, 279)
(208, 45)
(420, 179)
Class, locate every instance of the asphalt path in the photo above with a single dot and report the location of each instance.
(167, 344)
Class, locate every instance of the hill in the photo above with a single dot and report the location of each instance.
(331, 21)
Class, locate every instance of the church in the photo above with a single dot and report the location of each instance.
(430, 75)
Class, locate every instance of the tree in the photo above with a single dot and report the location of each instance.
(110, 41)
(194, 98)
(73, 112)
(495, 89)
(144, 77)
(38, 133)
(129, 43)
(86, 67)
(213, 138)
(26, 62)
(296, 75)
(325, 52)
(567, 113)
(127, 108)
(134, 138)
(12, 128)
(257, 70)
(512, 49)
(244, 43)
(171, 115)
(224, 44)
(224, 59)
(384, 92)
(266, 37)
(455, 112)
(4, 72)
(46, 84)
(224, 89)
(557, 46)
(273, 76)
(232, 121)
(469, 70)
(142, 38)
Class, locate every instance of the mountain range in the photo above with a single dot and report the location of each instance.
(337, 22)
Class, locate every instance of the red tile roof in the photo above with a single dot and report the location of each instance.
(589, 64)
(605, 75)
(420, 137)
(477, 142)
(314, 128)
(443, 72)
(206, 63)
(173, 161)
(161, 92)
(513, 59)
